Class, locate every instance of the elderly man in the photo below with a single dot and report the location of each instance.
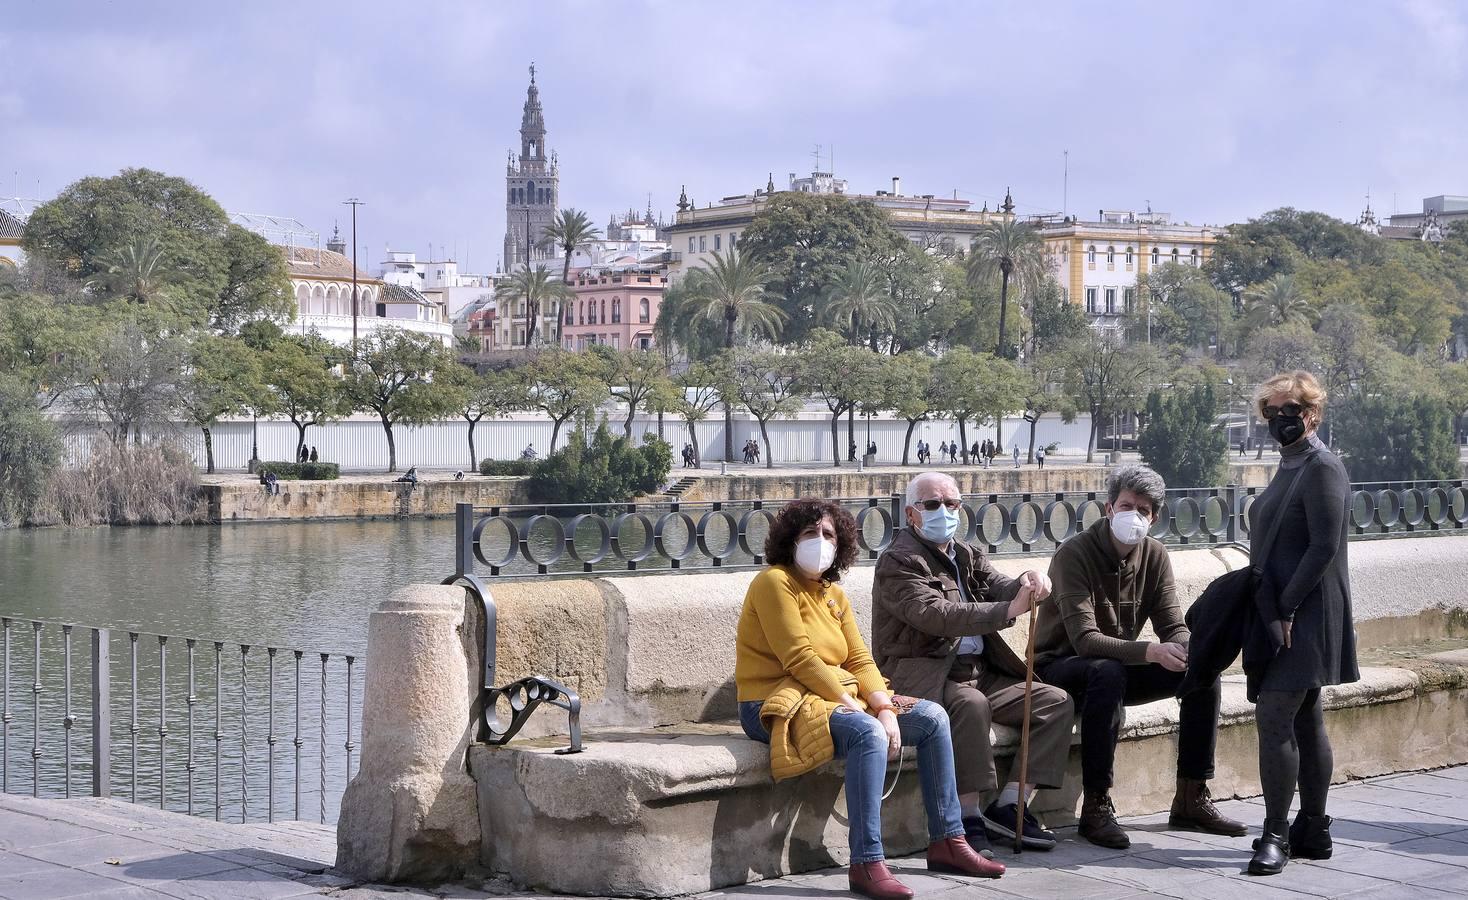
(1109, 581)
(937, 605)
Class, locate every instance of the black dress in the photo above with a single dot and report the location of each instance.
(1306, 571)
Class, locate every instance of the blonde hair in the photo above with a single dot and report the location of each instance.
(1299, 384)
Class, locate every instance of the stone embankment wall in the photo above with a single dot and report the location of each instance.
(356, 498)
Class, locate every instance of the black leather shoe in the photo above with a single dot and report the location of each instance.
(977, 837)
(1000, 820)
(1310, 837)
(1272, 850)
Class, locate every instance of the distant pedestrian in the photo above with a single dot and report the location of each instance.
(459, 475)
(1016, 455)
(973, 453)
(851, 452)
(1040, 457)
(313, 453)
(303, 455)
(1243, 446)
(756, 450)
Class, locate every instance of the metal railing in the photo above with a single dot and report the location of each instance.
(258, 698)
(663, 534)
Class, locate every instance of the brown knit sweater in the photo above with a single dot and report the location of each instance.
(1099, 601)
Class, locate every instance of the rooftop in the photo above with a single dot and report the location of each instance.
(311, 262)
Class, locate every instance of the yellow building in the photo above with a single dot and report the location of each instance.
(1097, 264)
(11, 228)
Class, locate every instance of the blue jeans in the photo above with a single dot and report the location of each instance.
(862, 742)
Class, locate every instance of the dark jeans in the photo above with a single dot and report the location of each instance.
(1102, 687)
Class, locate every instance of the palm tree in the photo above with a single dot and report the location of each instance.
(858, 299)
(134, 271)
(734, 288)
(534, 286)
(568, 229)
(1278, 301)
(1015, 252)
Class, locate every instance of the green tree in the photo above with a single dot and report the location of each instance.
(1183, 441)
(601, 470)
(44, 343)
(978, 387)
(1054, 320)
(634, 377)
(1043, 397)
(933, 301)
(568, 230)
(1014, 251)
(562, 384)
(1279, 302)
(911, 391)
(858, 302)
(475, 396)
(698, 392)
(299, 374)
(839, 375)
(807, 239)
(532, 287)
(135, 369)
(767, 383)
(392, 375)
(1104, 378)
(214, 272)
(1396, 436)
(30, 451)
(734, 289)
(223, 379)
(1180, 306)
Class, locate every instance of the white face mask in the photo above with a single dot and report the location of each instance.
(1129, 526)
(814, 556)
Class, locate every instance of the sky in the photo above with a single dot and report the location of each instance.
(1213, 112)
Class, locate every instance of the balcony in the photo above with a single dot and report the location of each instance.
(338, 329)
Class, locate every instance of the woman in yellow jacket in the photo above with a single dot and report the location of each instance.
(800, 650)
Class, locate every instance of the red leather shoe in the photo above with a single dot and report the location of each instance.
(875, 880)
(954, 856)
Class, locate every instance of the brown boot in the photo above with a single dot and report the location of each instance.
(955, 856)
(1098, 822)
(1193, 810)
(875, 880)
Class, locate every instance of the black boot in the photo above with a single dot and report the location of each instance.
(1272, 850)
(1310, 837)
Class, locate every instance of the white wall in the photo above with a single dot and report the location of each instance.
(359, 444)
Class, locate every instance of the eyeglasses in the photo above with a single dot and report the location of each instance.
(930, 505)
(1289, 409)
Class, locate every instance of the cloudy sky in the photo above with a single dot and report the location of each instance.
(1214, 112)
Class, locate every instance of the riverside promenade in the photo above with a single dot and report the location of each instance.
(1400, 835)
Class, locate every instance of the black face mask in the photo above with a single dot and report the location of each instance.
(1287, 429)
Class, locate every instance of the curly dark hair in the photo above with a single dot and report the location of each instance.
(799, 515)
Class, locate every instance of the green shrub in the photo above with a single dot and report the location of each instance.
(1396, 437)
(302, 471)
(609, 470)
(1183, 441)
(29, 451)
(515, 467)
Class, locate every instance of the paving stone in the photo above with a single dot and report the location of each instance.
(1052, 884)
(1453, 853)
(1139, 873)
(156, 871)
(98, 848)
(1310, 877)
(1403, 868)
(21, 831)
(1241, 888)
(1456, 882)
(236, 884)
(56, 881)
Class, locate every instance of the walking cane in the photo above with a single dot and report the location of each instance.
(1024, 729)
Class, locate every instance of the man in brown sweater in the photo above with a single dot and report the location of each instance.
(937, 608)
(1109, 581)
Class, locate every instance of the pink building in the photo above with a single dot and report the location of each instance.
(617, 306)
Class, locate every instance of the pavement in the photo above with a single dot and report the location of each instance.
(1397, 836)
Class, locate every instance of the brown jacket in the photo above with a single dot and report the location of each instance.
(918, 614)
(1099, 601)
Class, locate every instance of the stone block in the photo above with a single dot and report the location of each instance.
(410, 814)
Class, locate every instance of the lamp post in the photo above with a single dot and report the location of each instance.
(353, 202)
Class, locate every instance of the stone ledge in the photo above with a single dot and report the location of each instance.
(700, 796)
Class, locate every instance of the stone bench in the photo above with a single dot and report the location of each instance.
(669, 796)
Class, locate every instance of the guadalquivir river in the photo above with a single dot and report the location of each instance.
(306, 586)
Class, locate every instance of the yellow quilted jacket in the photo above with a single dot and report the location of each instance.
(799, 723)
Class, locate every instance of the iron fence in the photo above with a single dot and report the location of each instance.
(575, 540)
(209, 728)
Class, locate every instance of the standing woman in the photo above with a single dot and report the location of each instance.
(803, 671)
(1307, 578)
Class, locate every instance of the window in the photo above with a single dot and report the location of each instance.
(644, 343)
(519, 337)
(718, 242)
(604, 311)
(1174, 256)
(1091, 256)
(703, 245)
(733, 239)
(1110, 256)
(1091, 300)
(1195, 257)
(591, 313)
(570, 315)
(1129, 299)
(644, 311)
(1111, 301)
(1154, 256)
(616, 310)
(616, 341)
(690, 243)
(1128, 259)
